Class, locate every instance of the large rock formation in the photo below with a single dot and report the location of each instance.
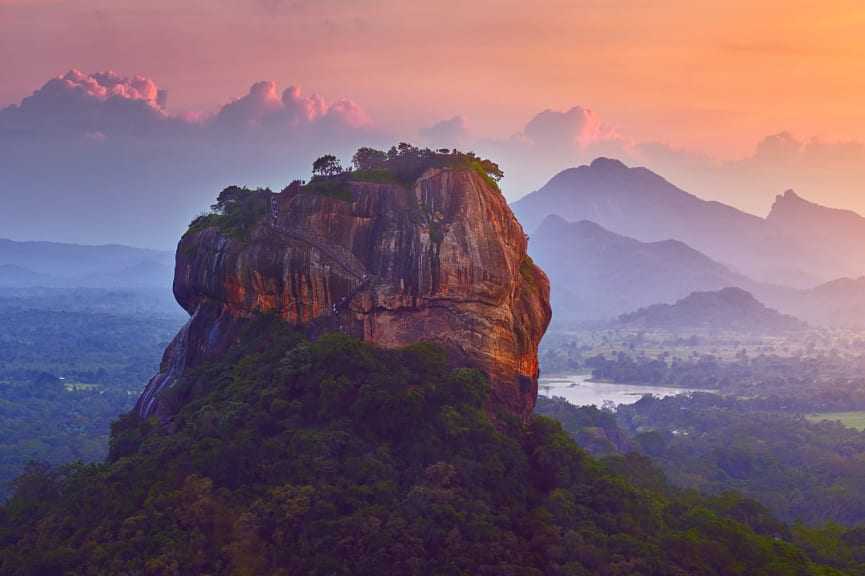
(444, 261)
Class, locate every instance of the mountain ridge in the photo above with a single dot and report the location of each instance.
(597, 274)
(730, 308)
(636, 202)
(81, 265)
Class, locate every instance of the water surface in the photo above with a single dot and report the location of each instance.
(579, 391)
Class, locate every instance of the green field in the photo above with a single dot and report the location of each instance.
(850, 419)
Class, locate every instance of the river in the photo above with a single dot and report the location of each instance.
(579, 390)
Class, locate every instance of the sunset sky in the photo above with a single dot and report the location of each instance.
(731, 100)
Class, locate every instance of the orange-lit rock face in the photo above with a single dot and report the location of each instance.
(444, 261)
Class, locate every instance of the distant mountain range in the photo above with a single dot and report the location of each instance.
(12, 274)
(596, 274)
(839, 303)
(614, 239)
(832, 233)
(638, 203)
(730, 309)
(52, 264)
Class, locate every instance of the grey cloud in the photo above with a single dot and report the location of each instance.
(98, 159)
(576, 127)
(447, 133)
(550, 142)
(829, 173)
(114, 106)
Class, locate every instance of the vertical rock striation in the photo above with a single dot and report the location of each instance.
(444, 260)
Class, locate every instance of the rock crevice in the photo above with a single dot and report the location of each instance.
(443, 261)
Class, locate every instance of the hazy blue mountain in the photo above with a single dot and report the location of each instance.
(839, 303)
(596, 274)
(837, 233)
(640, 204)
(14, 275)
(56, 264)
(82, 328)
(730, 309)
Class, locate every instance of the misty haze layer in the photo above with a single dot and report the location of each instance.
(99, 158)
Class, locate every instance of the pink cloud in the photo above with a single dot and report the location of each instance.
(109, 84)
(110, 140)
(829, 173)
(104, 102)
(99, 87)
(779, 147)
(347, 111)
(784, 148)
(264, 107)
(578, 127)
(115, 107)
(300, 109)
(252, 108)
(448, 133)
(551, 142)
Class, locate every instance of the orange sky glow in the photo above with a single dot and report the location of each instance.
(711, 78)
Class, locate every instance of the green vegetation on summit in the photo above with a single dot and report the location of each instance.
(236, 210)
(402, 165)
(406, 163)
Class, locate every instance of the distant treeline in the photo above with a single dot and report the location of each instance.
(339, 457)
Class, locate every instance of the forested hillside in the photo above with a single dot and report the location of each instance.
(338, 457)
(71, 361)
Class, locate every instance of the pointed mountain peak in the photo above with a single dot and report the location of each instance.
(555, 227)
(789, 196)
(603, 163)
(553, 220)
(790, 202)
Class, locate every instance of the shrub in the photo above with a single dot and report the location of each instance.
(236, 210)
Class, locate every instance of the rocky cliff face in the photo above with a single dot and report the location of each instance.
(443, 261)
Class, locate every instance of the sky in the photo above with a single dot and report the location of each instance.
(120, 121)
